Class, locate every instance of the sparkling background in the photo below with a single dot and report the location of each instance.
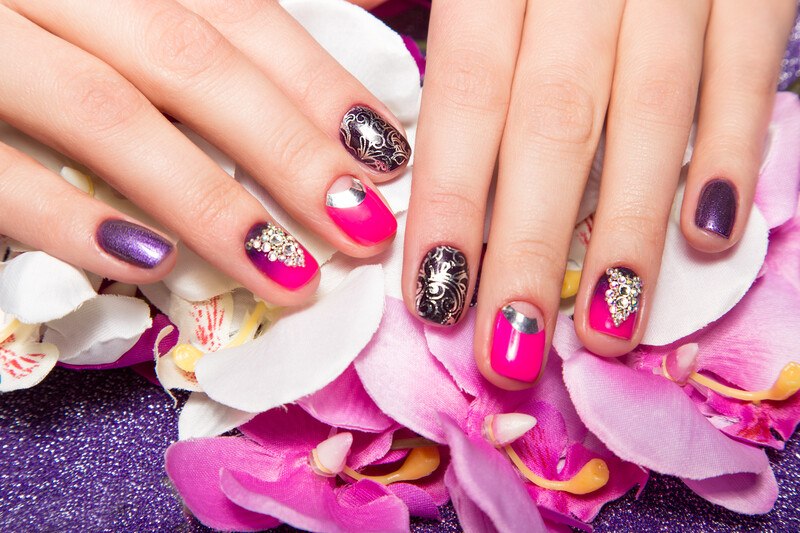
(83, 451)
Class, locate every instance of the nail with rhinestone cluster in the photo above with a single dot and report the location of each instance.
(615, 303)
(278, 255)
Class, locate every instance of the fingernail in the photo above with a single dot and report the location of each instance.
(616, 302)
(518, 342)
(716, 209)
(442, 284)
(359, 211)
(133, 243)
(279, 256)
(372, 140)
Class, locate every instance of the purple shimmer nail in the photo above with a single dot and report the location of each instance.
(716, 209)
(133, 243)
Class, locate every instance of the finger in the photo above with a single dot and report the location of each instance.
(187, 68)
(558, 103)
(84, 109)
(650, 114)
(45, 212)
(464, 107)
(348, 112)
(740, 74)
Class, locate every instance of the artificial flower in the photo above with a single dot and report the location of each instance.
(275, 473)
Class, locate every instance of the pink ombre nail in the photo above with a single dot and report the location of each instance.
(615, 303)
(359, 211)
(518, 342)
(279, 256)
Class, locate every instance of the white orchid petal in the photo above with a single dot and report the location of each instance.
(205, 325)
(36, 287)
(100, 331)
(24, 364)
(695, 289)
(378, 57)
(172, 377)
(302, 352)
(157, 294)
(194, 279)
(203, 417)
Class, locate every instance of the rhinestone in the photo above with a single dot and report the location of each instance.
(272, 256)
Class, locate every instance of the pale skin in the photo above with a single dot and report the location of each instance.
(527, 89)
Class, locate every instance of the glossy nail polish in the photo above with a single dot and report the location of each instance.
(716, 208)
(279, 256)
(442, 286)
(372, 140)
(133, 243)
(518, 342)
(359, 211)
(615, 303)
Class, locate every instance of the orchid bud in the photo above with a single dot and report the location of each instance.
(681, 363)
(503, 429)
(328, 458)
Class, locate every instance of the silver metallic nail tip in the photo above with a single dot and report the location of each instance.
(520, 322)
(352, 197)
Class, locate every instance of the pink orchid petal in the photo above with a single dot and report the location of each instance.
(404, 379)
(345, 404)
(741, 493)
(488, 480)
(369, 448)
(779, 181)
(194, 467)
(756, 423)
(286, 431)
(417, 499)
(470, 516)
(307, 501)
(648, 420)
(454, 349)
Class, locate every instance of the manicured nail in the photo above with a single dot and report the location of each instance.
(442, 285)
(518, 342)
(372, 140)
(615, 303)
(133, 243)
(716, 209)
(359, 211)
(279, 256)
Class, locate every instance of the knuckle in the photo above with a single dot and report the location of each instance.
(469, 81)
(640, 229)
(663, 95)
(561, 110)
(453, 201)
(99, 101)
(295, 151)
(183, 44)
(212, 206)
(229, 11)
(529, 252)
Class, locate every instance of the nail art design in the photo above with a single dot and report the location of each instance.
(133, 243)
(359, 211)
(442, 285)
(716, 208)
(372, 140)
(278, 255)
(518, 343)
(616, 302)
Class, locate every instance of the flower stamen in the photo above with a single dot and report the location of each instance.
(249, 327)
(419, 463)
(593, 476)
(786, 385)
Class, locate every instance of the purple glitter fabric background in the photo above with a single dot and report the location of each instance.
(83, 451)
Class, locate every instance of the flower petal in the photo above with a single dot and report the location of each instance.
(36, 287)
(25, 362)
(483, 480)
(695, 289)
(302, 352)
(404, 379)
(779, 180)
(307, 501)
(194, 468)
(205, 324)
(646, 419)
(203, 417)
(741, 493)
(344, 403)
(194, 279)
(101, 331)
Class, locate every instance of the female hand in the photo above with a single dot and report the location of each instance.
(530, 86)
(92, 79)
